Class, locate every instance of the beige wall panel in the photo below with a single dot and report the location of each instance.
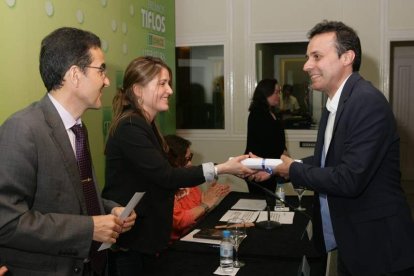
(400, 14)
(294, 15)
(239, 67)
(364, 17)
(217, 151)
(200, 17)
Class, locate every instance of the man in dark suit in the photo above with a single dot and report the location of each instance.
(360, 207)
(46, 227)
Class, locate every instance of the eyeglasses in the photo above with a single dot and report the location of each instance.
(277, 91)
(189, 158)
(101, 69)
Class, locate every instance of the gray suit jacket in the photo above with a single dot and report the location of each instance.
(44, 227)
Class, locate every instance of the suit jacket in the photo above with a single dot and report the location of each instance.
(370, 216)
(44, 227)
(135, 162)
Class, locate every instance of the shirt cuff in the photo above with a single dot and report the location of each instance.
(209, 172)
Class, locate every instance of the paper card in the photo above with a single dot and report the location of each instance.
(250, 204)
(281, 217)
(219, 271)
(308, 230)
(247, 216)
(125, 213)
(304, 268)
(282, 209)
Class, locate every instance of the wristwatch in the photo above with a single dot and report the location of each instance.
(205, 206)
(215, 173)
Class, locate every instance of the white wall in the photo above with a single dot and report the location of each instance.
(240, 24)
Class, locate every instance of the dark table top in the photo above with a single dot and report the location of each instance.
(266, 252)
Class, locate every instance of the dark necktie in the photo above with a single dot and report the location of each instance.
(98, 258)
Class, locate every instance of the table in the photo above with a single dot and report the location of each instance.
(265, 252)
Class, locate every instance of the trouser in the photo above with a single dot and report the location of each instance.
(131, 262)
(343, 271)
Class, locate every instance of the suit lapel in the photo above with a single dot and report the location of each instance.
(60, 138)
(321, 136)
(346, 93)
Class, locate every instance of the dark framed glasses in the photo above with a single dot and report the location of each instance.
(188, 158)
(101, 69)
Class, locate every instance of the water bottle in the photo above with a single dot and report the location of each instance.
(226, 253)
(280, 192)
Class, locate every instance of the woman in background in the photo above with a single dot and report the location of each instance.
(265, 133)
(136, 161)
(190, 203)
(288, 102)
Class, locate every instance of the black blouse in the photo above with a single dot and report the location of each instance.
(265, 135)
(135, 162)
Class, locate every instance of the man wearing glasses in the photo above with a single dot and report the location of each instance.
(52, 217)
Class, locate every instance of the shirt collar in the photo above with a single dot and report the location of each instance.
(67, 119)
(332, 104)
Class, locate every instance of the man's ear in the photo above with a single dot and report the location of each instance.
(73, 75)
(348, 57)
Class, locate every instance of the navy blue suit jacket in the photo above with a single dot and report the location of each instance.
(370, 216)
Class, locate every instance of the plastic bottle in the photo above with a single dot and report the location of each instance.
(280, 192)
(226, 253)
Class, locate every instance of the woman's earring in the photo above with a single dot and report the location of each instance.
(140, 101)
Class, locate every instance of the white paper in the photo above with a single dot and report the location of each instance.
(250, 204)
(219, 271)
(281, 217)
(125, 213)
(309, 230)
(190, 238)
(263, 163)
(247, 216)
(281, 209)
(304, 268)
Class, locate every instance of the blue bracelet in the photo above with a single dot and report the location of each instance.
(266, 169)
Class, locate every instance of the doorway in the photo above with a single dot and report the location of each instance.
(402, 100)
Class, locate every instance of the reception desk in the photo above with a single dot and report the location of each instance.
(266, 252)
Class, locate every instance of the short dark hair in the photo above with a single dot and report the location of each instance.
(346, 37)
(62, 49)
(264, 89)
(177, 149)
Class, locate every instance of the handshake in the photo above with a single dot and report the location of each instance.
(260, 169)
(266, 167)
(264, 164)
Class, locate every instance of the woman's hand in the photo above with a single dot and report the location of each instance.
(260, 176)
(235, 167)
(214, 193)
